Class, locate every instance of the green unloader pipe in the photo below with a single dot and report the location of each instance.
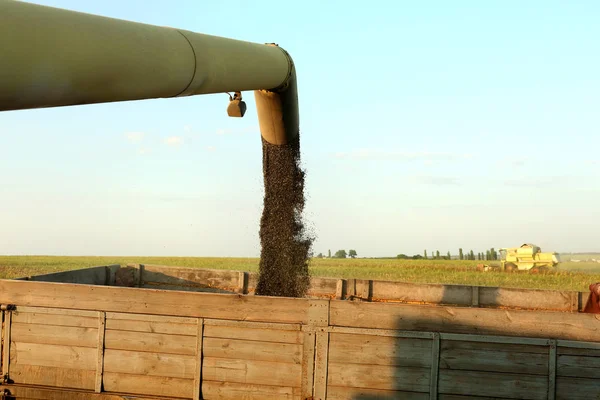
(50, 57)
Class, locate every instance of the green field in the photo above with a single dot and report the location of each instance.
(573, 276)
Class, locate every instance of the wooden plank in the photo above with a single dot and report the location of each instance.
(435, 367)
(321, 365)
(54, 334)
(528, 299)
(49, 355)
(411, 379)
(422, 293)
(579, 344)
(376, 350)
(308, 364)
(325, 287)
(38, 393)
(449, 345)
(574, 351)
(578, 366)
(199, 354)
(6, 342)
(541, 324)
(251, 372)
(53, 376)
(532, 342)
(350, 393)
(459, 397)
(496, 360)
(151, 364)
(100, 351)
(252, 350)
(253, 325)
(568, 388)
(168, 319)
(55, 319)
(149, 385)
(56, 311)
(510, 386)
(156, 302)
(150, 342)
(262, 335)
(168, 328)
(228, 390)
(377, 332)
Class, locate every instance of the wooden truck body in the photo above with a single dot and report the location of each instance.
(150, 332)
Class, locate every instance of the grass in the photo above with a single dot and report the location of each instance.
(573, 276)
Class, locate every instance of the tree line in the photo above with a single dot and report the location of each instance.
(488, 255)
(340, 254)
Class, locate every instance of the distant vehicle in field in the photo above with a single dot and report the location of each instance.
(527, 257)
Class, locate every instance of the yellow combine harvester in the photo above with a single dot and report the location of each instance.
(527, 257)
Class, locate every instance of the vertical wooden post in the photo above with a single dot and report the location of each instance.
(475, 296)
(242, 282)
(552, 370)
(7, 339)
(100, 352)
(140, 275)
(435, 367)
(308, 365)
(199, 348)
(321, 356)
(318, 317)
(339, 289)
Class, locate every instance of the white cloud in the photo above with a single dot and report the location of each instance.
(144, 150)
(383, 155)
(210, 148)
(135, 137)
(174, 141)
(187, 129)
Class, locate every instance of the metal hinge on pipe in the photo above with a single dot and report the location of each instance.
(8, 307)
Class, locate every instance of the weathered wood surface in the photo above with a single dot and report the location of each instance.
(38, 393)
(541, 324)
(247, 347)
(231, 281)
(156, 302)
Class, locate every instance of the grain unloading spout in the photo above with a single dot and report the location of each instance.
(52, 57)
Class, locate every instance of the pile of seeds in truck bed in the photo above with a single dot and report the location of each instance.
(283, 269)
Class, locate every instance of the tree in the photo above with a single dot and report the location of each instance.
(403, 256)
(320, 255)
(425, 254)
(352, 253)
(487, 255)
(471, 255)
(460, 254)
(340, 254)
(437, 255)
(493, 254)
(449, 256)
(329, 253)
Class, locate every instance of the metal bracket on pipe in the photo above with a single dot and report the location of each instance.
(236, 107)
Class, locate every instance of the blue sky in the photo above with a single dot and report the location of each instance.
(425, 125)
